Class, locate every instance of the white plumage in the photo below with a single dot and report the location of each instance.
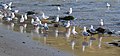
(99, 44)
(5, 6)
(70, 11)
(68, 24)
(58, 8)
(22, 19)
(68, 33)
(37, 19)
(101, 22)
(57, 18)
(16, 11)
(83, 48)
(13, 15)
(73, 45)
(43, 16)
(9, 8)
(10, 4)
(108, 5)
(25, 16)
(46, 26)
(73, 31)
(56, 33)
(8, 19)
(32, 21)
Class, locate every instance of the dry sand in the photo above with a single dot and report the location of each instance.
(17, 44)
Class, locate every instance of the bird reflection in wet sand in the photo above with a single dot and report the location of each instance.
(73, 42)
(45, 35)
(56, 32)
(10, 26)
(84, 44)
(91, 41)
(68, 33)
(92, 32)
(99, 40)
(23, 28)
(85, 35)
(36, 30)
(101, 31)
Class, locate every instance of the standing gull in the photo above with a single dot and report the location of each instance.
(58, 8)
(101, 22)
(108, 6)
(73, 31)
(44, 16)
(22, 19)
(84, 43)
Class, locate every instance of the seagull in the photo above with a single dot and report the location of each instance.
(92, 31)
(108, 6)
(8, 19)
(5, 6)
(34, 23)
(69, 12)
(10, 4)
(58, 8)
(16, 11)
(73, 31)
(68, 24)
(37, 19)
(9, 8)
(25, 16)
(85, 33)
(46, 27)
(101, 22)
(12, 15)
(57, 18)
(22, 19)
(43, 16)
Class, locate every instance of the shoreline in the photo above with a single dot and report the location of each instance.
(17, 44)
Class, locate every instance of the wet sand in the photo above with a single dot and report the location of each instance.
(17, 44)
(38, 42)
(63, 43)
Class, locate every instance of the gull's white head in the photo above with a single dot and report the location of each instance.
(10, 4)
(91, 27)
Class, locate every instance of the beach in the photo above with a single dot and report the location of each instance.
(28, 29)
(17, 44)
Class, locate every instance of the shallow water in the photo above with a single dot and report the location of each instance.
(87, 11)
(62, 40)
